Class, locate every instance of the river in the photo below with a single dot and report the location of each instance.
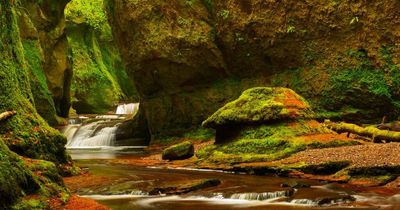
(131, 184)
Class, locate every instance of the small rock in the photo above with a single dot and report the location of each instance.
(179, 151)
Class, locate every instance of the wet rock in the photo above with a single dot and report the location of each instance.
(263, 196)
(179, 151)
(335, 200)
(185, 188)
(133, 132)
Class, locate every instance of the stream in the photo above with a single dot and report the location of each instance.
(93, 144)
(130, 187)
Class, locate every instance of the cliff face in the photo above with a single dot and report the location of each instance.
(188, 58)
(41, 25)
(26, 133)
(100, 81)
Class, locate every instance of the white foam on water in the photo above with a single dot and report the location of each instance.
(90, 136)
(219, 199)
(127, 109)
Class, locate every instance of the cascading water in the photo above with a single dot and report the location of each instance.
(90, 135)
(127, 109)
(100, 131)
(261, 196)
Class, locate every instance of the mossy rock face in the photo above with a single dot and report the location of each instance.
(261, 105)
(15, 179)
(41, 28)
(302, 50)
(100, 80)
(180, 151)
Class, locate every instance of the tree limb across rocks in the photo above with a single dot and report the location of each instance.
(7, 114)
(371, 132)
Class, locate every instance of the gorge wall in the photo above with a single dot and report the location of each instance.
(189, 57)
(26, 137)
(99, 81)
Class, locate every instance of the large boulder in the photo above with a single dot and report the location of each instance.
(179, 151)
(261, 105)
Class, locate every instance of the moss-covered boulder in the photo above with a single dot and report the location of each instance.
(38, 180)
(266, 124)
(179, 151)
(261, 105)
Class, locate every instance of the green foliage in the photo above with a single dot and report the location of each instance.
(354, 20)
(290, 29)
(357, 73)
(209, 5)
(224, 14)
(190, 2)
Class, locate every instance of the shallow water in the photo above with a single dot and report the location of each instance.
(237, 191)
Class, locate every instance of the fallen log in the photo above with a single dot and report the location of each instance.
(6, 115)
(375, 134)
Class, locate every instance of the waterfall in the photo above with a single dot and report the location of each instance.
(127, 109)
(97, 131)
(90, 135)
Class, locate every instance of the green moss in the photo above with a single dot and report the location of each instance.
(262, 104)
(209, 5)
(15, 179)
(195, 135)
(268, 143)
(30, 204)
(26, 133)
(179, 151)
(43, 101)
(90, 12)
(99, 80)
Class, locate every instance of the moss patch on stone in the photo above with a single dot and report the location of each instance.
(179, 151)
(26, 133)
(43, 100)
(100, 81)
(259, 105)
(270, 142)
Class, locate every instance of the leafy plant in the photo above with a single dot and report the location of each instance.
(354, 20)
(290, 29)
(224, 14)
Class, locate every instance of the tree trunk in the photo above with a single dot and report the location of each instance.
(371, 132)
